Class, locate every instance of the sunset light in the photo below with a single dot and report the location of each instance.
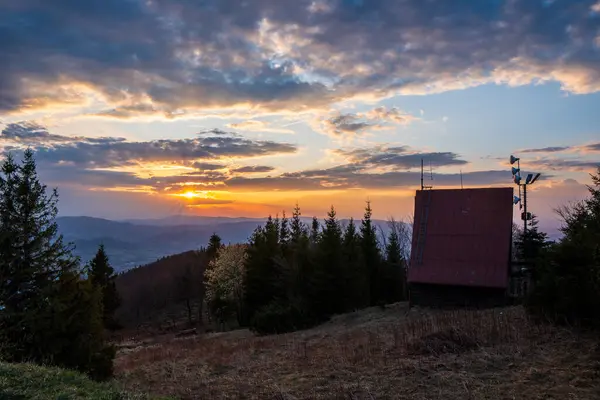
(299, 104)
(183, 178)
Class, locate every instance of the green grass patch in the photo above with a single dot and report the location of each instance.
(29, 381)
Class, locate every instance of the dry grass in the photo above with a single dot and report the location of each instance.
(376, 354)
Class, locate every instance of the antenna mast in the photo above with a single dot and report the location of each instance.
(422, 175)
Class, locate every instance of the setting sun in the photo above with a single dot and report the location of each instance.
(190, 195)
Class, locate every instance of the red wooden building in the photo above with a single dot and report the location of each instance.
(461, 247)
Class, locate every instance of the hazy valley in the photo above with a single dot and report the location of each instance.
(141, 241)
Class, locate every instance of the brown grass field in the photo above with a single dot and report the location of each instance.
(374, 354)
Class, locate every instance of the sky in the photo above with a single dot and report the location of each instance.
(149, 108)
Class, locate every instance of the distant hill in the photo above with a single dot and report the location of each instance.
(129, 245)
(137, 242)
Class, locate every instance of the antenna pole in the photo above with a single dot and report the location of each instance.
(461, 181)
(422, 186)
(525, 207)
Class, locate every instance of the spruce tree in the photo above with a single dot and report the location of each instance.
(298, 229)
(566, 281)
(393, 273)
(393, 252)
(214, 245)
(42, 289)
(315, 228)
(357, 289)
(262, 276)
(102, 275)
(328, 277)
(371, 255)
(284, 232)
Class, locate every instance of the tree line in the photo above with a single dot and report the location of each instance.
(566, 274)
(53, 309)
(291, 276)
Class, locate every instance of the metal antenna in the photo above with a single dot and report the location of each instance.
(461, 180)
(430, 170)
(422, 176)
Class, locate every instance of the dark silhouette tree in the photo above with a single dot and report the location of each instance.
(102, 275)
(566, 284)
(298, 229)
(263, 282)
(393, 279)
(214, 245)
(42, 290)
(371, 255)
(315, 228)
(357, 289)
(328, 280)
(284, 232)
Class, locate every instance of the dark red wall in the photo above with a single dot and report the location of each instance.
(468, 238)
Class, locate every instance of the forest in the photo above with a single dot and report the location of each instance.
(56, 310)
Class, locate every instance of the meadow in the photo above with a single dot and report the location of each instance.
(376, 353)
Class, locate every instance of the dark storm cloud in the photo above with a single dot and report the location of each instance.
(179, 54)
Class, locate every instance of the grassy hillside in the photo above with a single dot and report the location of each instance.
(27, 381)
(375, 354)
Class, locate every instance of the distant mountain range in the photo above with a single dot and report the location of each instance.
(136, 242)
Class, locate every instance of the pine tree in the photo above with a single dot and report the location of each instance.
(566, 281)
(298, 229)
(328, 281)
(214, 245)
(357, 290)
(284, 232)
(262, 279)
(393, 273)
(42, 289)
(102, 275)
(315, 228)
(531, 245)
(393, 252)
(371, 255)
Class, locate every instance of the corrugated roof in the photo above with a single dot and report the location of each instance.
(468, 237)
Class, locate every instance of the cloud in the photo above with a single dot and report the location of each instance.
(357, 123)
(555, 164)
(180, 56)
(253, 169)
(555, 149)
(206, 166)
(346, 124)
(85, 152)
(31, 133)
(594, 147)
(398, 157)
(343, 179)
(584, 148)
(258, 126)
